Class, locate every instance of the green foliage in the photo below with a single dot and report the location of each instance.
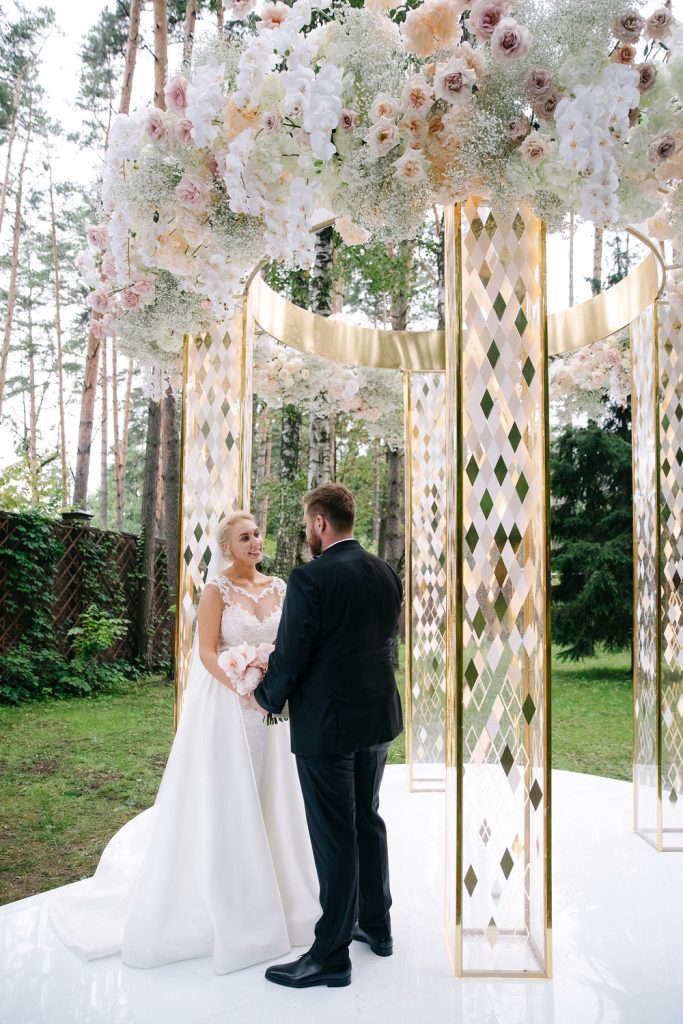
(35, 666)
(15, 485)
(95, 633)
(592, 541)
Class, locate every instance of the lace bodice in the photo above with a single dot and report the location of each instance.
(248, 617)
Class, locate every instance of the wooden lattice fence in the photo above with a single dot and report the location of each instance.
(69, 592)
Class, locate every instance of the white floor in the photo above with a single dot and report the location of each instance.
(618, 942)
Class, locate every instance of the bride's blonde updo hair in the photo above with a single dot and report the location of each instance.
(225, 527)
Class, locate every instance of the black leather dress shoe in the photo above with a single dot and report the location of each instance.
(305, 972)
(380, 946)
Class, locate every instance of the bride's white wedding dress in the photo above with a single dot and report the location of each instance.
(221, 865)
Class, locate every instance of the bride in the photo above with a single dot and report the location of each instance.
(221, 865)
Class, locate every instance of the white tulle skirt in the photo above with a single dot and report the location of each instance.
(219, 867)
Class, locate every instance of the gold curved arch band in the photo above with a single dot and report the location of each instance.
(568, 329)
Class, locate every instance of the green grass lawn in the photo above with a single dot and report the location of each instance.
(73, 771)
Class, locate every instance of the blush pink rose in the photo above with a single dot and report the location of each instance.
(175, 94)
(348, 120)
(660, 24)
(485, 16)
(648, 76)
(97, 329)
(192, 192)
(510, 41)
(181, 131)
(155, 125)
(273, 15)
(97, 235)
(130, 299)
(627, 28)
(100, 300)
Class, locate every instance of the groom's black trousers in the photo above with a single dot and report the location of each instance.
(349, 839)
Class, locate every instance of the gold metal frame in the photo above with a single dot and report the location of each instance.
(568, 329)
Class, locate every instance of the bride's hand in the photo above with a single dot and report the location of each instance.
(252, 703)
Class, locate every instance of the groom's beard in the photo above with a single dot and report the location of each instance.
(315, 545)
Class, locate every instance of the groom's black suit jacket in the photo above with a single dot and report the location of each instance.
(333, 653)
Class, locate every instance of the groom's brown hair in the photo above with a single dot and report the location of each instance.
(335, 502)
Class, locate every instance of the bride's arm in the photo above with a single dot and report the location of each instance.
(209, 615)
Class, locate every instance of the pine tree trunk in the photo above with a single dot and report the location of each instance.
(171, 489)
(16, 98)
(58, 332)
(131, 56)
(188, 30)
(322, 298)
(85, 422)
(104, 436)
(152, 445)
(160, 527)
(145, 611)
(376, 496)
(121, 500)
(14, 267)
(262, 421)
(596, 283)
(441, 273)
(117, 437)
(33, 409)
(289, 518)
(220, 17)
(571, 257)
(160, 52)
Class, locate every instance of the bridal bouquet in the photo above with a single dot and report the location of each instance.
(245, 666)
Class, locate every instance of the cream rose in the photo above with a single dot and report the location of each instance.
(382, 137)
(536, 147)
(435, 25)
(411, 167)
(384, 105)
(413, 128)
(350, 233)
(417, 96)
(97, 235)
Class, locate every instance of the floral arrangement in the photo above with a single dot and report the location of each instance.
(583, 381)
(245, 666)
(322, 388)
(376, 113)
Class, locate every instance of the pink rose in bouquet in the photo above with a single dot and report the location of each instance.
(245, 665)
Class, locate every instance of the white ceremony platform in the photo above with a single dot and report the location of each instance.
(617, 942)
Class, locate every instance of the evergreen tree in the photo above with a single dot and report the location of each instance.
(591, 521)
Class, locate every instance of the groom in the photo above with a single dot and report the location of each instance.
(333, 662)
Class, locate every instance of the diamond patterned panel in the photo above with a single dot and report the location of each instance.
(216, 457)
(504, 742)
(645, 528)
(670, 343)
(426, 680)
